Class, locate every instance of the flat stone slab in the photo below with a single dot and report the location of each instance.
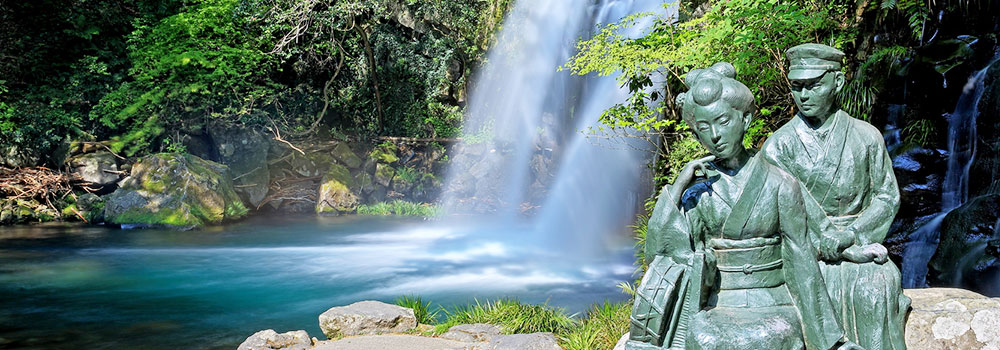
(366, 318)
(393, 342)
(948, 318)
(476, 332)
(533, 341)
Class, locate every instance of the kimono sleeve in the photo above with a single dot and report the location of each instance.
(874, 220)
(802, 275)
(670, 231)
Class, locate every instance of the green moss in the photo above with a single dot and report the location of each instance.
(340, 173)
(345, 155)
(169, 217)
(385, 153)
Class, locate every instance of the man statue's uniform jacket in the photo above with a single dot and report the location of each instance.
(846, 172)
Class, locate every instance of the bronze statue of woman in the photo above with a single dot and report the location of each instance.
(735, 234)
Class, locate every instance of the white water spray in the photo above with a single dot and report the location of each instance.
(527, 109)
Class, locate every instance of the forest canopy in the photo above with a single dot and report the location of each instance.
(145, 73)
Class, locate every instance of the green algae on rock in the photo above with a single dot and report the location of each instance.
(175, 190)
(335, 195)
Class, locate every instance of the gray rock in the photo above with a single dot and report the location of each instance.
(245, 152)
(476, 332)
(366, 318)
(533, 341)
(268, 339)
(946, 319)
(392, 342)
(98, 168)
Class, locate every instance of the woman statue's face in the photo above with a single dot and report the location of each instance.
(720, 129)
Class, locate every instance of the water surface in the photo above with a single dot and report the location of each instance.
(72, 287)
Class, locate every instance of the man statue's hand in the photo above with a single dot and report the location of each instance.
(833, 243)
(874, 252)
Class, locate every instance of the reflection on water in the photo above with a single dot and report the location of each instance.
(70, 287)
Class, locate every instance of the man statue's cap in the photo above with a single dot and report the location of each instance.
(808, 61)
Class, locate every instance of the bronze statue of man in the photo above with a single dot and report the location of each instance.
(733, 266)
(851, 197)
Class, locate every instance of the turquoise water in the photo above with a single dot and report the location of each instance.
(73, 287)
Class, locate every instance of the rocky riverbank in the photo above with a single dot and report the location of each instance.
(226, 174)
(375, 325)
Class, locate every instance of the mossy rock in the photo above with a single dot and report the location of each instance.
(88, 205)
(335, 195)
(175, 190)
(385, 153)
(21, 211)
(346, 156)
(384, 174)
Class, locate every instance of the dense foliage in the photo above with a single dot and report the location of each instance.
(753, 35)
(145, 73)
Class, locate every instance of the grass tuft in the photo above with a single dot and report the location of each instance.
(604, 325)
(511, 315)
(421, 310)
(399, 208)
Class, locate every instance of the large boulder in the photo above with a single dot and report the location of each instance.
(245, 152)
(946, 319)
(366, 318)
(335, 195)
(97, 168)
(268, 339)
(174, 190)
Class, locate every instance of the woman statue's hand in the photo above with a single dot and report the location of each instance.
(687, 176)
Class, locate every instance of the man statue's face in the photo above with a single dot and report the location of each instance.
(815, 97)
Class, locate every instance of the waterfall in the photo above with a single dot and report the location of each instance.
(526, 147)
(955, 190)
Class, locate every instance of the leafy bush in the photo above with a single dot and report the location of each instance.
(200, 64)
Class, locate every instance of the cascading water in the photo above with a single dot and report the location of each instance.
(955, 189)
(534, 116)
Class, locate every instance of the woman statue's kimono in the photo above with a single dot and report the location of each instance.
(734, 243)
